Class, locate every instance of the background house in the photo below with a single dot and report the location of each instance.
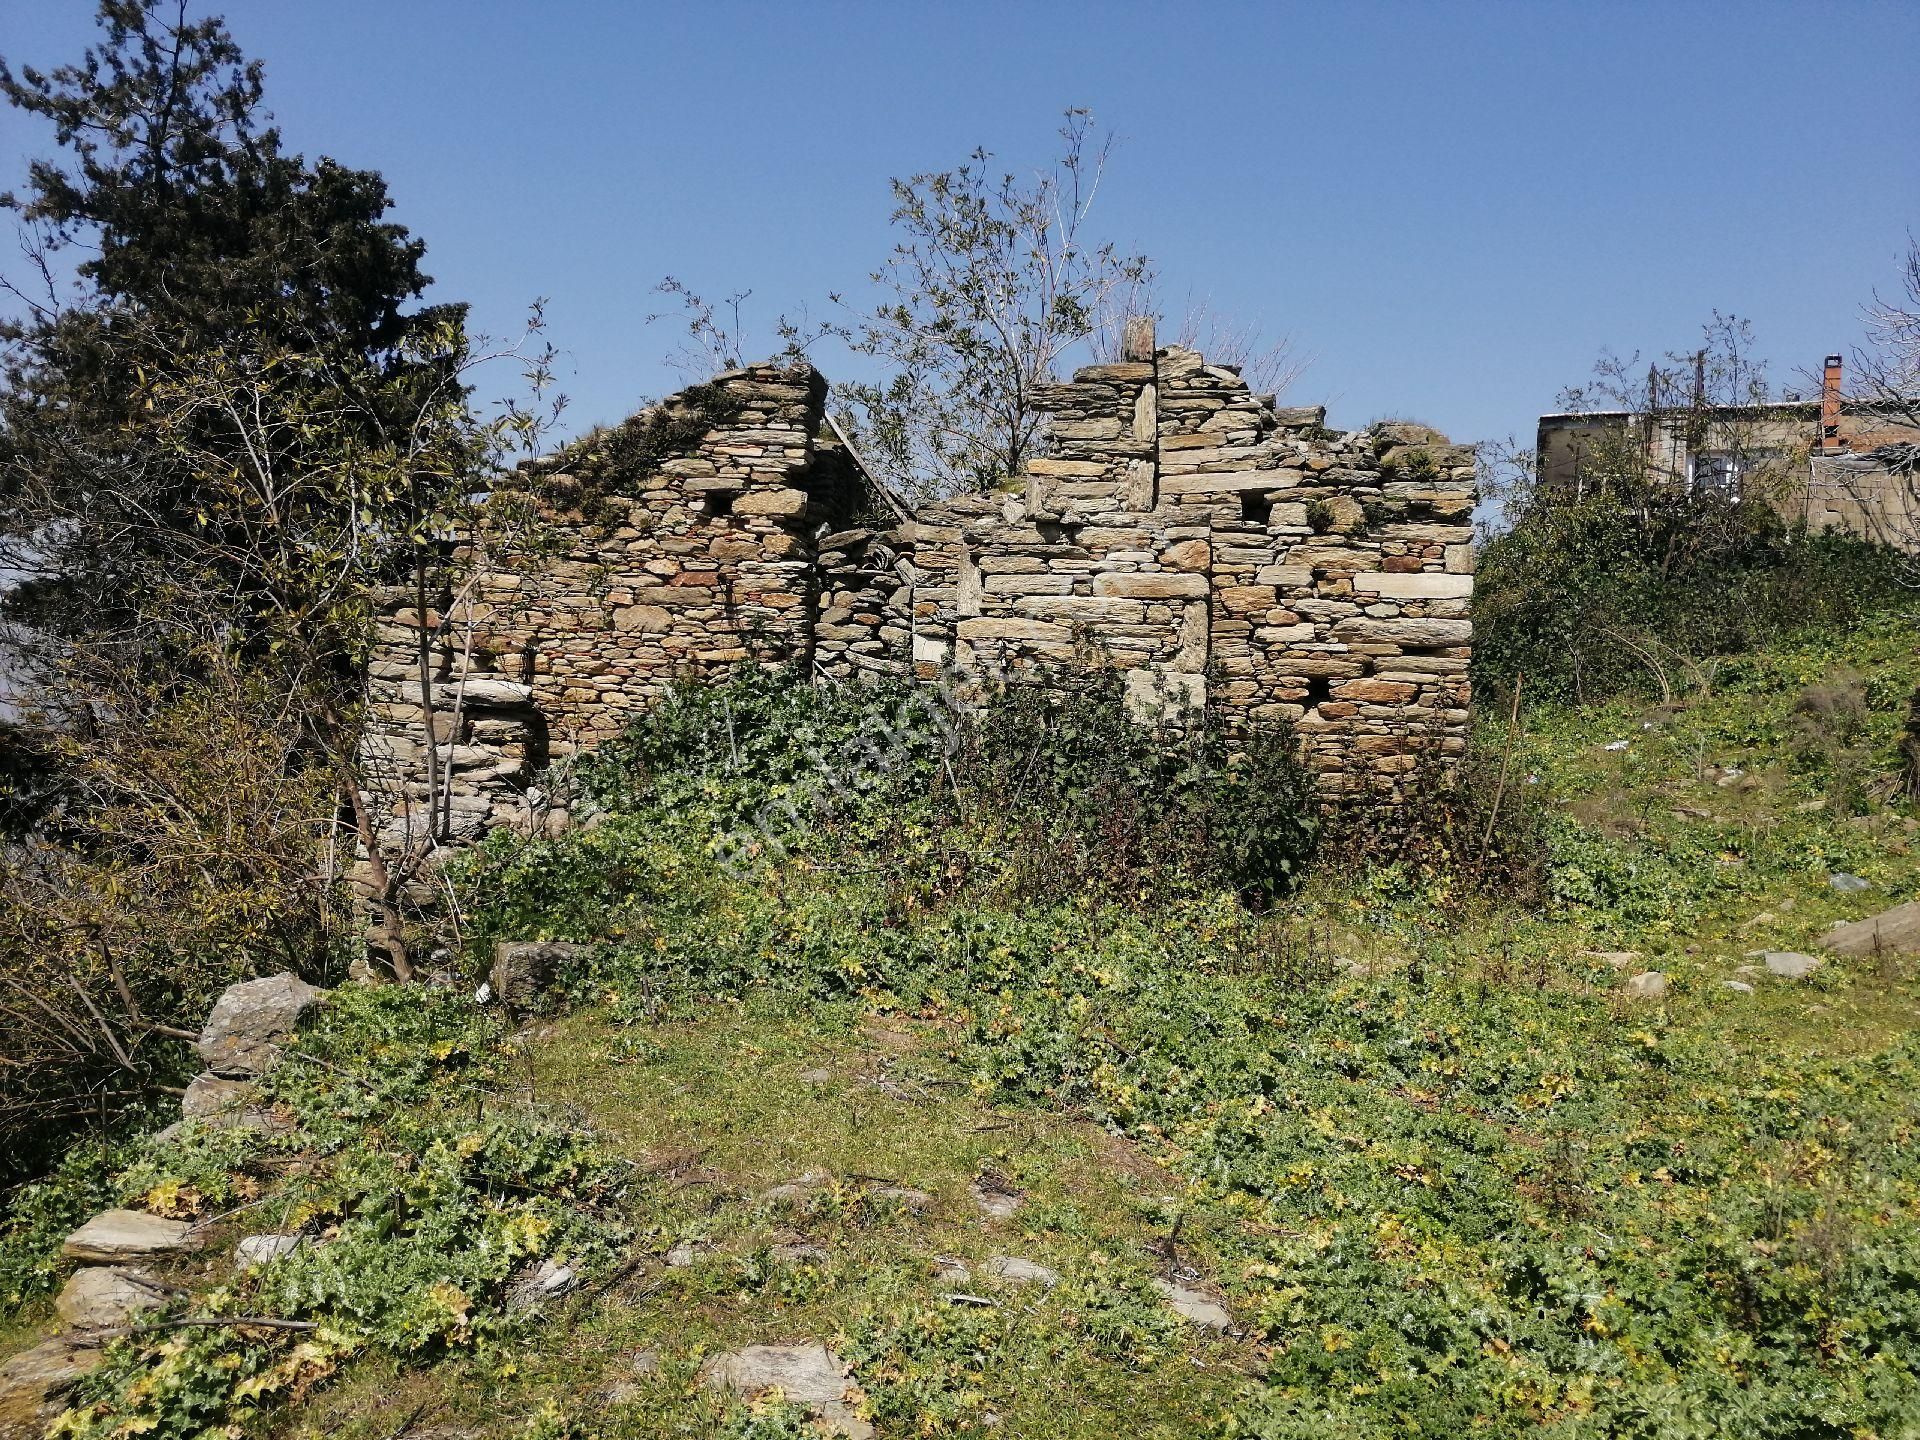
(1831, 463)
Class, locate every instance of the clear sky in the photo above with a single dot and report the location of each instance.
(1451, 207)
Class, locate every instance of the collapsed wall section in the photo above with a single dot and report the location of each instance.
(1073, 562)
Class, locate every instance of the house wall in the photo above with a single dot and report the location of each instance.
(1212, 547)
(1842, 489)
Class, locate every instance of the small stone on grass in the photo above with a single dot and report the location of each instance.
(807, 1374)
(535, 1283)
(1015, 1271)
(800, 1254)
(1790, 964)
(1195, 1305)
(256, 1250)
(995, 1204)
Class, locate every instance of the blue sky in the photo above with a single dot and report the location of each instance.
(1452, 208)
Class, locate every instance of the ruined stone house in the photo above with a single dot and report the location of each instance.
(1215, 548)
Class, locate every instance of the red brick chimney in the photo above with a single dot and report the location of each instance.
(1830, 407)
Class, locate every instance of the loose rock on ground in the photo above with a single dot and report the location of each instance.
(116, 1235)
(1195, 1305)
(1891, 932)
(251, 1022)
(1016, 1271)
(807, 1374)
(97, 1297)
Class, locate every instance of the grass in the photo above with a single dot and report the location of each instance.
(1448, 1176)
(715, 1113)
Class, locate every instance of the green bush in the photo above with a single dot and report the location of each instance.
(40, 1214)
(1117, 803)
(1056, 780)
(1594, 598)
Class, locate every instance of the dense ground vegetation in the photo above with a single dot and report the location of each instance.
(1446, 1173)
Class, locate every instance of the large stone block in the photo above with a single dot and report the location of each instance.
(1891, 932)
(251, 1022)
(774, 502)
(1420, 634)
(1187, 555)
(1125, 372)
(1163, 586)
(35, 1383)
(523, 969)
(1097, 610)
(1285, 577)
(209, 1095)
(1226, 482)
(1038, 631)
(1069, 469)
(1029, 584)
(1163, 694)
(1376, 692)
(1425, 585)
(1245, 599)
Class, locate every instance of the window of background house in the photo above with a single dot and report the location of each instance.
(1726, 472)
(1717, 472)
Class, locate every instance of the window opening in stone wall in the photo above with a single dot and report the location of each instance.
(1255, 507)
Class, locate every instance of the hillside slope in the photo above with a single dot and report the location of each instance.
(1411, 1159)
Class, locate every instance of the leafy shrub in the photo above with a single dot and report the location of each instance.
(1059, 778)
(40, 1214)
(1473, 823)
(187, 854)
(1832, 739)
(766, 757)
(1121, 801)
(1596, 597)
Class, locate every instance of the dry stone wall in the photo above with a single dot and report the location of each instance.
(680, 544)
(1215, 548)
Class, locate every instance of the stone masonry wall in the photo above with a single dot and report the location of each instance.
(625, 578)
(1218, 550)
(1180, 527)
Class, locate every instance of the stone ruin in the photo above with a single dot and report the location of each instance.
(1215, 548)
